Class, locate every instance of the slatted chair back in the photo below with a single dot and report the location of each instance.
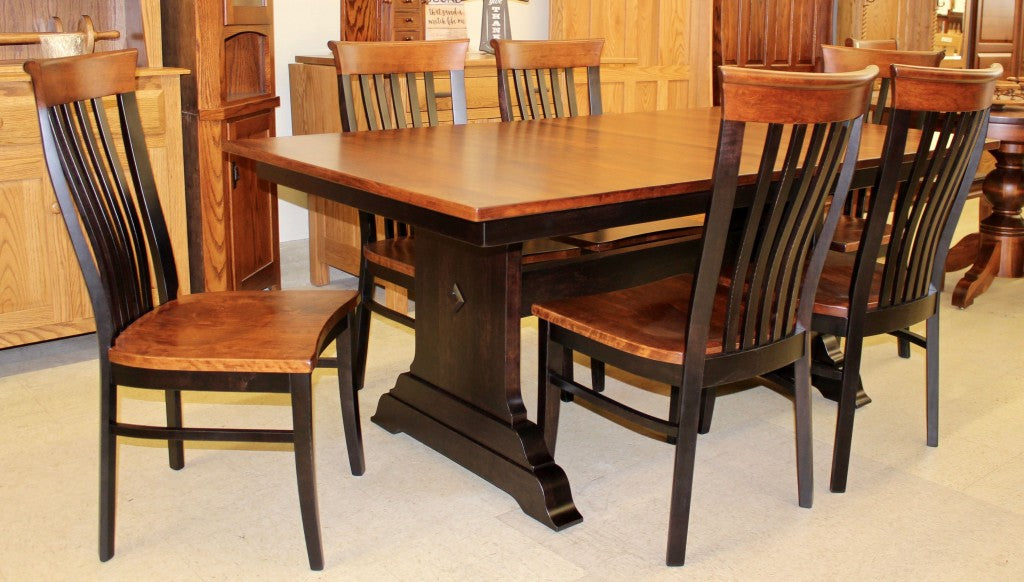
(808, 152)
(101, 174)
(926, 205)
(392, 85)
(841, 58)
(540, 75)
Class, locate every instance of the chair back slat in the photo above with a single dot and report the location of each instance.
(922, 210)
(540, 76)
(771, 254)
(394, 84)
(114, 218)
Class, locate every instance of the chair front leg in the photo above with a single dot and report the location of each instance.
(349, 401)
(302, 423)
(682, 475)
(548, 400)
(932, 378)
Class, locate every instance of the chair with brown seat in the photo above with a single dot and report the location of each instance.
(695, 331)
(875, 291)
(392, 85)
(858, 54)
(536, 80)
(244, 341)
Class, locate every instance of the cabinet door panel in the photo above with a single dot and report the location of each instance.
(252, 206)
(776, 34)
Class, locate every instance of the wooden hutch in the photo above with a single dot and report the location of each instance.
(42, 294)
(229, 47)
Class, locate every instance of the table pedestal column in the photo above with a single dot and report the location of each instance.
(1001, 234)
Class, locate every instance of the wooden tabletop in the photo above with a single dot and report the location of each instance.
(492, 171)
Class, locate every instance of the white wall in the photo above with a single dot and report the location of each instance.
(303, 27)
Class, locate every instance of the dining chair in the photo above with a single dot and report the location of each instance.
(745, 309)
(851, 225)
(846, 58)
(400, 85)
(872, 43)
(876, 291)
(241, 341)
(537, 80)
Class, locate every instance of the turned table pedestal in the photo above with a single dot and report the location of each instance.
(1000, 242)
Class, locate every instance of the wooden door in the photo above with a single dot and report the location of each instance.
(997, 35)
(773, 34)
(656, 54)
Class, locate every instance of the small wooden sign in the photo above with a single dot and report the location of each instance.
(445, 19)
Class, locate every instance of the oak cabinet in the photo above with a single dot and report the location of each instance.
(42, 294)
(228, 46)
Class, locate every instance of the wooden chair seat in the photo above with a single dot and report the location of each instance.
(234, 331)
(833, 296)
(397, 254)
(648, 321)
(849, 232)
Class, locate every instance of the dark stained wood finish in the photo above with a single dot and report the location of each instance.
(773, 34)
(1000, 244)
(735, 316)
(461, 395)
(229, 341)
(890, 290)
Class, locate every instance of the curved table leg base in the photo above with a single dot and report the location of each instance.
(514, 459)
(980, 276)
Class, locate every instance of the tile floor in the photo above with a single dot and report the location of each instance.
(955, 512)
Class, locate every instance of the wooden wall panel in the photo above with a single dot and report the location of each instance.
(651, 46)
(911, 22)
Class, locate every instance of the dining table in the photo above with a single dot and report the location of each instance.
(474, 194)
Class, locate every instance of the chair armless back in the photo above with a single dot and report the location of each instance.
(542, 77)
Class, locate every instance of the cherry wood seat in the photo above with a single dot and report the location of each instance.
(230, 341)
(693, 332)
(400, 85)
(887, 291)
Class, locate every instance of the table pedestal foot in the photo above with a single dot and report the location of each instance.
(827, 369)
(514, 458)
(962, 254)
(980, 276)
